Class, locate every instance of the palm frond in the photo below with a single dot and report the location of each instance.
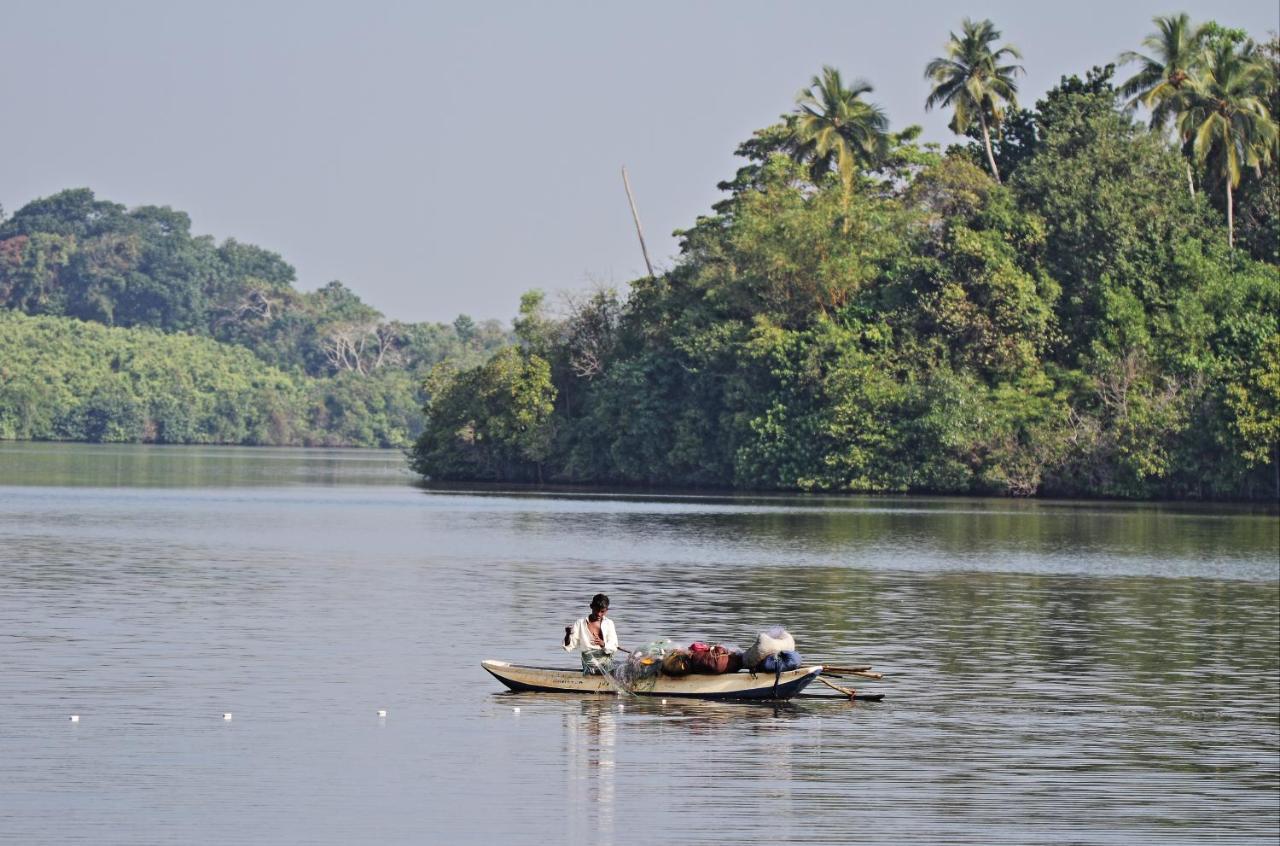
(835, 128)
(970, 77)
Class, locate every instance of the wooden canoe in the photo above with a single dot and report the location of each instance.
(740, 685)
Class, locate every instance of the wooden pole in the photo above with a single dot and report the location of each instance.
(636, 217)
(841, 673)
(846, 691)
(858, 697)
(850, 671)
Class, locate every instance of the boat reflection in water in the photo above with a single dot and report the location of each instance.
(591, 733)
(604, 733)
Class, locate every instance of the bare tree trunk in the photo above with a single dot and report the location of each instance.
(846, 191)
(986, 139)
(1191, 185)
(636, 217)
(1231, 221)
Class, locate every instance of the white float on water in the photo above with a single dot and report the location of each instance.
(382, 712)
(515, 710)
(226, 716)
(75, 718)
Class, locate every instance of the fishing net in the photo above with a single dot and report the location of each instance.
(596, 661)
(640, 670)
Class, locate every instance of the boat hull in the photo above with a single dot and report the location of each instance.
(739, 685)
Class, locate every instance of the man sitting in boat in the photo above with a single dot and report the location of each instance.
(594, 637)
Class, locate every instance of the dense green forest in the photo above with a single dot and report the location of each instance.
(210, 343)
(76, 380)
(1070, 302)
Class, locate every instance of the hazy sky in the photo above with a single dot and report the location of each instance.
(441, 159)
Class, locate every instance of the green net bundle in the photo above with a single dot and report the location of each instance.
(642, 666)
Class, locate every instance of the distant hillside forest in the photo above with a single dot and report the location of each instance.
(211, 343)
(1069, 303)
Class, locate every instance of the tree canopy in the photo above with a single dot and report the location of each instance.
(72, 257)
(1082, 328)
(1073, 302)
(835, 129)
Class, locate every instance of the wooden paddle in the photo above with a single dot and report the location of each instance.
(860, 697)
(846, 691)
(841, 672)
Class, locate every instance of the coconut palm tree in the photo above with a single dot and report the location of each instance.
(834, 128)
(971, 80)
(1227, 117)
(1161, 83)
(1175, 48)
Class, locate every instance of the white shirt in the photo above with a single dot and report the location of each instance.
(580, 637)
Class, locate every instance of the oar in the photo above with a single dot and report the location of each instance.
(850, 692)
(860, 697)
(846, 691)
(840, 672)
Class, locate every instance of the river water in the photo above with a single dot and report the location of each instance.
(1054, 672)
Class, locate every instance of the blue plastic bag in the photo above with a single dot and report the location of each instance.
(780, 662)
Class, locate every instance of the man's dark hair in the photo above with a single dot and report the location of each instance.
(599, 601)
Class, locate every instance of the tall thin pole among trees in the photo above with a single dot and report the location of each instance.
(635, 215)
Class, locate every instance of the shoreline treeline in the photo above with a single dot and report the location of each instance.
(325, 368)
(1074, 304)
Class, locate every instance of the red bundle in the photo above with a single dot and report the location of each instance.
(713, 660)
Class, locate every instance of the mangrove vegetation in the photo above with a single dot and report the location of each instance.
(1079, 298)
